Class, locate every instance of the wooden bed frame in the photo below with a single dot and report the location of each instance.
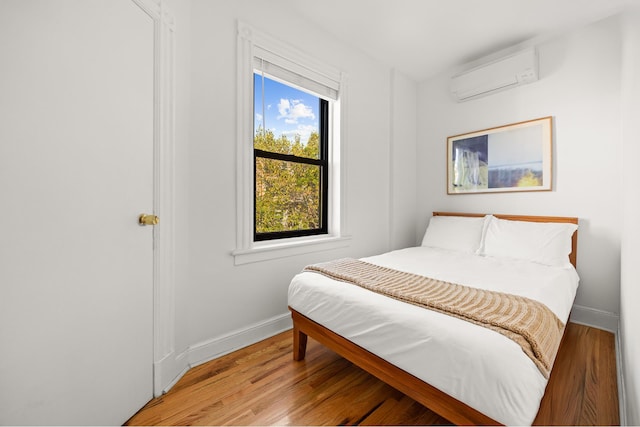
(439, 402)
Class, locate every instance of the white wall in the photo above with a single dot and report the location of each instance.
(215, 299)
(404, 104)
(629, 289)
(580, 87)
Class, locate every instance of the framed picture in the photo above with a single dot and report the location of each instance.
(515, 157)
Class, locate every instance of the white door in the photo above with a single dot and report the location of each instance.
(76, 170)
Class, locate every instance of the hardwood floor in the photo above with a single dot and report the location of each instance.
(584, 391)
(262, 385)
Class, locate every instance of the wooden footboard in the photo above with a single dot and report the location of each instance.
(423, 393)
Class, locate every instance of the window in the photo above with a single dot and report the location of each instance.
(290, 173)
(291, 168)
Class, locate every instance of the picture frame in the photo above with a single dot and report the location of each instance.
(514, 157)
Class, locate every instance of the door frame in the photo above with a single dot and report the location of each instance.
(163, 193)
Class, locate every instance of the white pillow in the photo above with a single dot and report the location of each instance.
(542, 242)
(457, 233)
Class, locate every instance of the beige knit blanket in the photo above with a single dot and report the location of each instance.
(527, 322)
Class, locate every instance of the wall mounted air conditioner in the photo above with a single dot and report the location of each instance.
(504, 73)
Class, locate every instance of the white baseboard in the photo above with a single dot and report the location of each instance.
(595, 318)
(211, 349)
(622, 396)
(168, 371)
(171, 368)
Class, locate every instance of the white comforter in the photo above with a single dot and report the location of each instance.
(477, 366)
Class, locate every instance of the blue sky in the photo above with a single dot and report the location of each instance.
(287, 110)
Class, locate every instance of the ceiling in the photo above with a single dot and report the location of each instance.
(421, 38)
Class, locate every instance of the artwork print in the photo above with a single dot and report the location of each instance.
(514, 157)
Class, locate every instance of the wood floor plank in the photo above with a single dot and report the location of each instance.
(262, 385)
(402, 411)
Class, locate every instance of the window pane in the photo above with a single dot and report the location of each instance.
(287, 196)
(286, 119)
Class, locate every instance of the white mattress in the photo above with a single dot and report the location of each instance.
(477, 366)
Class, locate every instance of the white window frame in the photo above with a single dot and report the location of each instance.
(249, 42)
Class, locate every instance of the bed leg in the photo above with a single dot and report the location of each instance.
(299, 343)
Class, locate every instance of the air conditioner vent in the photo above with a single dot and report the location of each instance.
(504, 73)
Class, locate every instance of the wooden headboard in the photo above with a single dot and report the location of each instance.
(573, 256)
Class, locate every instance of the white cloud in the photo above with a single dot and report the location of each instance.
(293, 110)
(303, 130)
(283, 107)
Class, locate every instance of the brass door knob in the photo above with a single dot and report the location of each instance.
(145, 219)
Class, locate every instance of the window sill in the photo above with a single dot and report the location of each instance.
(264, 251)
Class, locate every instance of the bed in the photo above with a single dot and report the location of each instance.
(466, 373)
